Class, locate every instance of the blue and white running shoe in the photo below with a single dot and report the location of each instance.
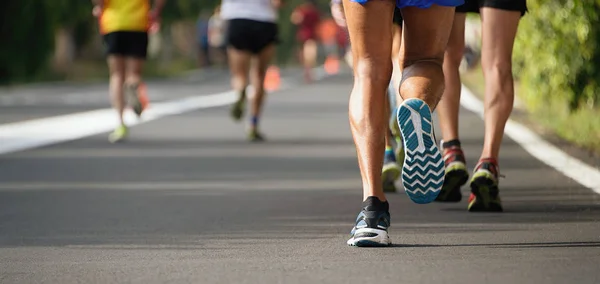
(371, 227)
(423, 168)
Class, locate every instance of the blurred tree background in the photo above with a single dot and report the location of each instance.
(557, 61)
(59, 39)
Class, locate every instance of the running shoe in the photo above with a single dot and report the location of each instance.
(372, 223)
(238, 108)
(423, 168)
(397, 137)
(485, 196)
(119, 134)
(391, 170)
(255, 136)
(132, 98)
(399, 153)
(456, 174)
(389, 186)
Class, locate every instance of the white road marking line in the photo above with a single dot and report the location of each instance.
(35, 133)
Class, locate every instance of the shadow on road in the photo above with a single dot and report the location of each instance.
(509, 245)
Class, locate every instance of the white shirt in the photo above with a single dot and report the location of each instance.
(257, 10)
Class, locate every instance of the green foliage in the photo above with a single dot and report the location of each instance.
(74, 15)
(175, 10)
(28, 27)
(558, 52)
(557, 57)
(71, 12)
(27, 32)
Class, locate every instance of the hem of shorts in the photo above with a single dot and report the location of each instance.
(125, 31)
(450, 3)
(136, 56)
(478, 11)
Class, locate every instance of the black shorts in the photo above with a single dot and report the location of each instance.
(130, 44)
(397, 17)
(473, 6)
(250, 35)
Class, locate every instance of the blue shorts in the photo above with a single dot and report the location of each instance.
(421, 3)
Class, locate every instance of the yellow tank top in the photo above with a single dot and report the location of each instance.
(124, 15)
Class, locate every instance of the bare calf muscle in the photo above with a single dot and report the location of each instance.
(422, 54)
(499, 27)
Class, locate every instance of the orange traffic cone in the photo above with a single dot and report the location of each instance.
(272, 79)
(332, 65)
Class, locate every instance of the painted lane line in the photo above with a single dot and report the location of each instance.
(35, 133)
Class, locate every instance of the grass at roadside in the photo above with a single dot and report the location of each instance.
(581, 128)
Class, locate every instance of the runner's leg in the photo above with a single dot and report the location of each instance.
(239, 66)
(496, 62)
(454, 159)
(372, 71)
(309, 57)
(423, 46)
(116, 69)
(448, 108)
(370, 26)
(257, 74)
(133, 83)
(497, 47)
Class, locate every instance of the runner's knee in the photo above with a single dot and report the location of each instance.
(374, 69)
(433, 62)
(117, 76)
(499, 69)
(424, 79)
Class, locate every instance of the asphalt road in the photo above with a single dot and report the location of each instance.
(187, 200)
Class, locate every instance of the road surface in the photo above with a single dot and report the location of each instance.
(187, 200)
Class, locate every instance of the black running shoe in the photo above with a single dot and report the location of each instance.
(132, 98)
(238, 108)
(372, 224)
(389, 186)
(255, 136)
(456, 172)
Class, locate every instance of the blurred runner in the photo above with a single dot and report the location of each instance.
(500, 20)
(342, 40)
(203, 44)
(425, 35)
(252, 34)
(217, 31)
(124, 25)
(327, 31)
(306, 17)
